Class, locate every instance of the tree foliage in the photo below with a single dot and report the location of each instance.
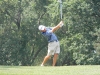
(21, 43)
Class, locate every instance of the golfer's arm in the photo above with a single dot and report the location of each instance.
(56, 28)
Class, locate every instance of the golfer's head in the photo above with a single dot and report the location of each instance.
(42, 28)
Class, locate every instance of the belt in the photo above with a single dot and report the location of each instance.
(54, 41)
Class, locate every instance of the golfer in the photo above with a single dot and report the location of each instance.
(53, 43)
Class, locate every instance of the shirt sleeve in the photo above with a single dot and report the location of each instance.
(49, 32)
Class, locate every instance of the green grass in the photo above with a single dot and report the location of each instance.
(60, 70)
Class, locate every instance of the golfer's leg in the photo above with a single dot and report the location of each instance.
(55, 59)
(45, 59)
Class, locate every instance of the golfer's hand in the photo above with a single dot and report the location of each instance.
(61, 23)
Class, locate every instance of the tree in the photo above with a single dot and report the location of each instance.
(21, 43)
(79, 41)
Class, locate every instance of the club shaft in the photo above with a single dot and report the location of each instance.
(61, 11)
(60, 1)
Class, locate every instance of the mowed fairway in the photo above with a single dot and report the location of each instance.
(47, 70)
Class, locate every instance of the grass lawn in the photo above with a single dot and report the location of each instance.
(49, 70)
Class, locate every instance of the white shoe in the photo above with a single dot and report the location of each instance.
(42, 65)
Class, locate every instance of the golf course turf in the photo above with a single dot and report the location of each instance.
(49, 70)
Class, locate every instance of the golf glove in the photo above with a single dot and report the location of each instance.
(61, 25)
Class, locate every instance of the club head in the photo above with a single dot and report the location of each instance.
(60, 1)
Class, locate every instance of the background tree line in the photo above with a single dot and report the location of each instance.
(21, 43)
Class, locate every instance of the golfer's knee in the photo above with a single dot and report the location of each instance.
(48, 57)
(56, 54)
